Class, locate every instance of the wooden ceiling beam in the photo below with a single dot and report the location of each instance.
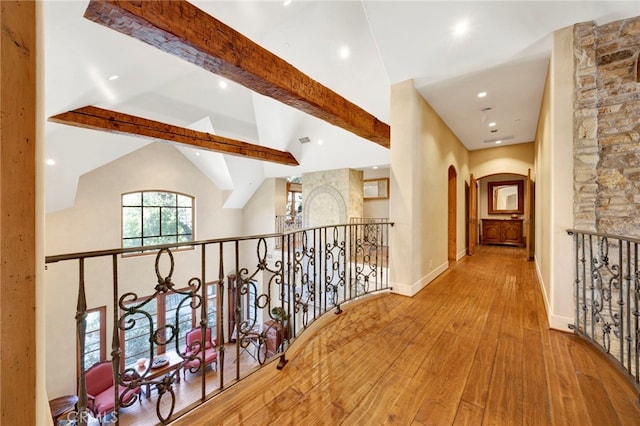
(180, 28)
(90, 117)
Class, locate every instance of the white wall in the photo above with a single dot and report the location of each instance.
(94, 223)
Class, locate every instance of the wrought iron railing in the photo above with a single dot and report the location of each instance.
(384, 232)
(287, 223)
(264, 299)
(607, 297)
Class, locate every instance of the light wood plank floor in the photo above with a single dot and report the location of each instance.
(473, 348)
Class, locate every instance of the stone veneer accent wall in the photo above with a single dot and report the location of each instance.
(607, 127)
(331, 197)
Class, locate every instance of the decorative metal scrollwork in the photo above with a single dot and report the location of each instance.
(135, 310)
(606, 282)
(607, 292)
(335, 252)
(304, 271)
(312, 272)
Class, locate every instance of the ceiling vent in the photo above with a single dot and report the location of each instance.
(304, 139)
(494, 140)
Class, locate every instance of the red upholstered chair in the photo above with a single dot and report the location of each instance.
(100, 398)
(194, 342)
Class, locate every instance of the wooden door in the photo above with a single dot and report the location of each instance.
(452, 209)
(473, 215)
(528, 215)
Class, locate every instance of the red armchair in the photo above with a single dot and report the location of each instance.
(194, 342)
(100, 388)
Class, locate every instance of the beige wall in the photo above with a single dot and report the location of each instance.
(517, 159)
(511, 162)
(423, 148)
(280, 188)
(554, 184)
(376, 208)
(94, 223)
(259, 213)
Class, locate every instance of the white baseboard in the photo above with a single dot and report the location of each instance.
(561, 323)
(556, 322)
(462, 253)
(412, 289)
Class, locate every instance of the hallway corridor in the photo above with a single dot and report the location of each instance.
(473, 348)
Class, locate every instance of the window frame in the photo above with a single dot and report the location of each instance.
(142, 207)
(213, 300)
(102, 333)
(294, 188)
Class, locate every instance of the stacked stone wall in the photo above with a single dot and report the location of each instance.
(607, 127)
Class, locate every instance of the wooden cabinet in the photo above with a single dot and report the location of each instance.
(502, 231)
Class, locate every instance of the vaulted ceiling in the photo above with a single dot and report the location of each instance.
(451, 49)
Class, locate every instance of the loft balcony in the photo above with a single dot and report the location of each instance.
(137, 310)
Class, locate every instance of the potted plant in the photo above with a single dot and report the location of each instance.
(279, 314)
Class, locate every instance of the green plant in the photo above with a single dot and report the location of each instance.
(279, 314)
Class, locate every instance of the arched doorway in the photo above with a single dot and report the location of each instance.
(517, 221)
(452, 209)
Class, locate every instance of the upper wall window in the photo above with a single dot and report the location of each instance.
(153, 217)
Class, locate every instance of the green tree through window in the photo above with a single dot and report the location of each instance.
(152, 217)
(137, 334)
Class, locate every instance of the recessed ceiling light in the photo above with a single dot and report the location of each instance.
(319, 141)
(51, 162)
(286, 2)
(482, 94)
(344, 52)
(460, 28)
(223, 84)
(375, 167)
(197, 154)
(497, 142)
(113, 77)
(492, 124)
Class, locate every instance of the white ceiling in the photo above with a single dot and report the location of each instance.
(505, 53)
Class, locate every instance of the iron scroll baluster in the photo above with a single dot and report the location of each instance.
(607, 297)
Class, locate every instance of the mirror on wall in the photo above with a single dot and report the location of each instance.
(375, 189)
(506, 197)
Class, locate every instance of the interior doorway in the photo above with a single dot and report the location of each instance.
(505, 211)
(452, 209)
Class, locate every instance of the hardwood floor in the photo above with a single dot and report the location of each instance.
(473, 348)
